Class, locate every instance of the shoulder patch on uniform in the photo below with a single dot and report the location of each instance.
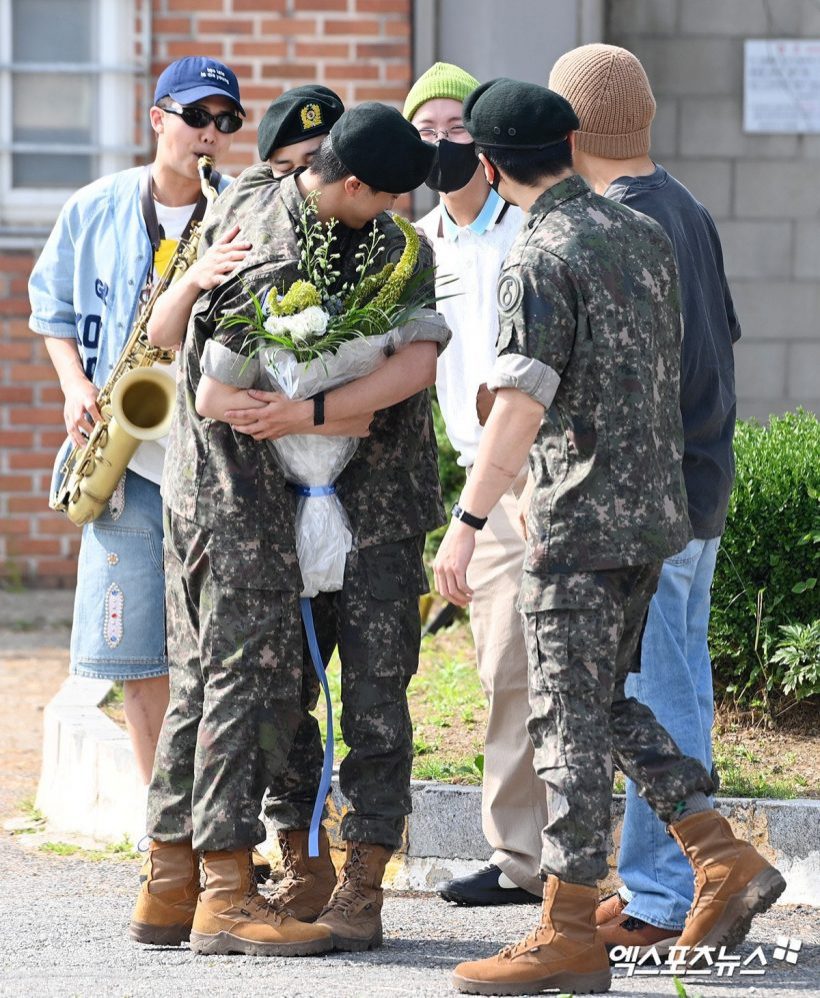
(510, 291)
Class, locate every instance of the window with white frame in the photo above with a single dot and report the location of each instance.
(71, 76)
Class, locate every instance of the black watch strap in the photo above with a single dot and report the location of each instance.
(319, 409)
(476, 522)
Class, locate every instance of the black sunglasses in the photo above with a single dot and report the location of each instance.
(197, 117)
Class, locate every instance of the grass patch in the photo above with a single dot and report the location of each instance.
(122, 850)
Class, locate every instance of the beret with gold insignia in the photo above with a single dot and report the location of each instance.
(298, 114)
(511, 114)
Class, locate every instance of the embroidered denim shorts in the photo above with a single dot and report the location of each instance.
(119, 606)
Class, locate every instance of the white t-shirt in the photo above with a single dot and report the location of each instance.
(149, 457)
(473, 254)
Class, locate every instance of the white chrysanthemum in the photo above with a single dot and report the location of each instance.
(302, 327)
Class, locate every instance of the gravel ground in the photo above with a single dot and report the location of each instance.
(64, 934)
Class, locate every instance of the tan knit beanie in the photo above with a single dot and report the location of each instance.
(610, 93)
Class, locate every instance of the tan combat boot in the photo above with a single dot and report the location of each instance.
(353, 914)
(232, 917)
(308, 881)
(168, 891)
(563, 952)
(733, 882)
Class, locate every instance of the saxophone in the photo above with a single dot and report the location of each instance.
(136, 403)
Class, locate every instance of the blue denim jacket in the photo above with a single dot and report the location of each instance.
(87, 281)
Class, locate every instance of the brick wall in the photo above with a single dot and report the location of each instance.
(360, 48)
(762, 189)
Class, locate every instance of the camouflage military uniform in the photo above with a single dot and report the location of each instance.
(233, 620)
(590, 326)
(391, 492)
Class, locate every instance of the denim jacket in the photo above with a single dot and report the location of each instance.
(87, 281)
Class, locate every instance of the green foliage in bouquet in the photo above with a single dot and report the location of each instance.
(316, 314)
(764, 632)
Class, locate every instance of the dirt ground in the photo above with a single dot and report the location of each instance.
(34, 637)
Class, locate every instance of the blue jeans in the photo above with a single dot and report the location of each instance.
(675, 681)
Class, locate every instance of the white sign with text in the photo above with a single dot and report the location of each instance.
(781, 85)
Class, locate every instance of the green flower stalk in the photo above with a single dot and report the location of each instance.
(368, 287)
(300, 295)
(395, 284)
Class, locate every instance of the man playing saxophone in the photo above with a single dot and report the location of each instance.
(111, 243)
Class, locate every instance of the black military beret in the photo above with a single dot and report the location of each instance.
(298, 114)
(511, 114)
(380, 147)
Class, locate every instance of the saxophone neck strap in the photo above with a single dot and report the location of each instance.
(149, 210)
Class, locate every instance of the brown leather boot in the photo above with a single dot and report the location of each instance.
(733, 882)
(610, 906)
(563, 952)
(232, 917)
(169, 887)
(308, 881)
(353, 914)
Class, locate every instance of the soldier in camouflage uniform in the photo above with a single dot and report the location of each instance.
(587, 382)
(391, 493)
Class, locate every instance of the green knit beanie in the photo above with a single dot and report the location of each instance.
(441, 80)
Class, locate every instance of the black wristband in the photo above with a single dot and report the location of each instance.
(476, 522)
(319, 409)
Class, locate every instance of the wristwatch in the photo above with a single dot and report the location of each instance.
(476, 522)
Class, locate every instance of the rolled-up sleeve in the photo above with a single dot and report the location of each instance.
(427, 326)
(528, 375)
(536, 325)
(51, 285)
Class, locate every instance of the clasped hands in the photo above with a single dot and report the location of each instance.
(279, 416)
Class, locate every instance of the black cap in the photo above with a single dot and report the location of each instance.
(511, 114)
(380, 147)
(298, 114)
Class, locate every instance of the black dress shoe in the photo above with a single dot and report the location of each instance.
(482, 888)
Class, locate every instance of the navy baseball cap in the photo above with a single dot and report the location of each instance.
(189, 80)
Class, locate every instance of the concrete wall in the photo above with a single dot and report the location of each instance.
(763, 190)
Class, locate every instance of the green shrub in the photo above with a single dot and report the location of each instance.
(766, 575)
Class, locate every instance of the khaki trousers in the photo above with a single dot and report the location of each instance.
(513, 802)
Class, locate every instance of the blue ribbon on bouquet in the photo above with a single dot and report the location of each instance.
(307, 492)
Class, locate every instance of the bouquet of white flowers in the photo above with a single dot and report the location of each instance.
(310, 339)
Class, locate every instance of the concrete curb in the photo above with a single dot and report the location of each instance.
(88, 787)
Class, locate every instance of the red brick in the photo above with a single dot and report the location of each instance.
(28, 503)
(57, 567)
(353, 26)
(290, 70)
(33, 417)
(16, 263)
(383, 6)
(383, 50)
(254, 6)
(16, 438)
(320, 5)
(55, 525)
(384, 92)
(398, 71)
(234, 26)
(326, 50)
(17, 329)
(53, 439)
(20, 525)
(17, 394)
(171, 25)
(34, 546)
(14, 306)
(351, 71)
(273, 50)
(174, 5)
(15, 483)
(32, 372)
(18, 351)
(180, 49)
(265, 93)
(397, 28)
(274, 26)
(25, 461)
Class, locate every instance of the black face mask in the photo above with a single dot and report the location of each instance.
(454, 166)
